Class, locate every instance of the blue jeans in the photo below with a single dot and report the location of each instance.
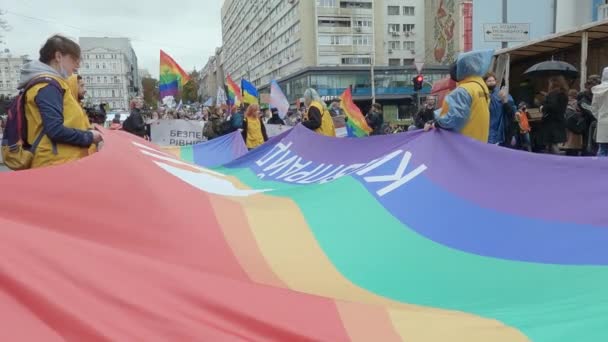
(602, 150)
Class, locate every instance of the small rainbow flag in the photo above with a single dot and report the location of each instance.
(172, 76)
(233, 92)
(356, 126)
(250, 92)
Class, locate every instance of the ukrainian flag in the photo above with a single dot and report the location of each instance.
(250, 93)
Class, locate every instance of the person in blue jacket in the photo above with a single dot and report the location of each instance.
(502, 113)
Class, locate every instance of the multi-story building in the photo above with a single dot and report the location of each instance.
(10, 73)
(329, 45)
(212, 76)
(109, 69)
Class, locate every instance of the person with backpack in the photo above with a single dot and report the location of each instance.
(53, 128)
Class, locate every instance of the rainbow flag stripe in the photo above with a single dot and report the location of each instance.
(233, 92)
(356, 125)
(212, 153)
(172, 76)
(410, 237)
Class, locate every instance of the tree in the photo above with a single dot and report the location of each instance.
(190, 90)
(150, 86)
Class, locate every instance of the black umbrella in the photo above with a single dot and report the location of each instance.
(552, 68)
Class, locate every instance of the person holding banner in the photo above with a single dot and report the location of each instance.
(254, 131)
(317, 118)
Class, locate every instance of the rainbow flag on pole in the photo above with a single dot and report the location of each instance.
(250, 92)
(356, 126)
(172, 76)
(233, 92)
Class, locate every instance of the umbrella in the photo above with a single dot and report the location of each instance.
(552, 68)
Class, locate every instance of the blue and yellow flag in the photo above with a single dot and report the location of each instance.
(250, 93)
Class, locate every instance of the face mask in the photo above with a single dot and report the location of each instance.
(492, 87)
(62, 71)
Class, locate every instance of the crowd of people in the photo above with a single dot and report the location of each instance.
(59, 129)
(572, 122)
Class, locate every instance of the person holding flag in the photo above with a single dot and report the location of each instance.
(317, 118)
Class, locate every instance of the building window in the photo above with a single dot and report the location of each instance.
(394, 62)
(409, 45)
(104, 65)
(353, 4)
(409, 11)
(356, 60)
(113, 93)
(98, 79)
(393, 28)
(362, 23)
(334, 22)
(334, 40)
(408, 61)
(394, 45)
(362, 40)
(408, 28)
(105, 79)
(97, 65)
(327, 3)
(394, 10)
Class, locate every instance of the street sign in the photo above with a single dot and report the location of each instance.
(419, 66)
(506, 32)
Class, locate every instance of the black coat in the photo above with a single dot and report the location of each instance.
(554, 118)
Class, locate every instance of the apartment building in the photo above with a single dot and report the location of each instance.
(327, 44)
(110, 71)
(10, 73)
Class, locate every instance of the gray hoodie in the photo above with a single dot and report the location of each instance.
(33, 69)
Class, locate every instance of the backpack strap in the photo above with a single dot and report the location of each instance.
(33, 82)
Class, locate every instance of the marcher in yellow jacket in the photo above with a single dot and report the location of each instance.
(467, 108)
(54, 116)
(254, 131)
(317, 118)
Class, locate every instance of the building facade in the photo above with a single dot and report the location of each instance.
(212, 76)
(110, 71)
(10, 73)
(545, 17)
(329, 45)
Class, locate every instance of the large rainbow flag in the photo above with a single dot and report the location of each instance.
(411, 237)
(356, 125)
(233, 91)
(172, 76)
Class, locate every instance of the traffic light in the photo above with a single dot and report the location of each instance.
(418, 82)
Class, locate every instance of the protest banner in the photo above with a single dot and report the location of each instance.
(177, 132)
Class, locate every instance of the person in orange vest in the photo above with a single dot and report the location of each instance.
(254, 131)
(523, 138)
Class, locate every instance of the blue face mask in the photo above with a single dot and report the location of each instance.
(62, 71)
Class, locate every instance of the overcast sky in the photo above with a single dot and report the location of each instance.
(188, 30)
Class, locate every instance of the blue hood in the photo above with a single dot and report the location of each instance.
(474, 63)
